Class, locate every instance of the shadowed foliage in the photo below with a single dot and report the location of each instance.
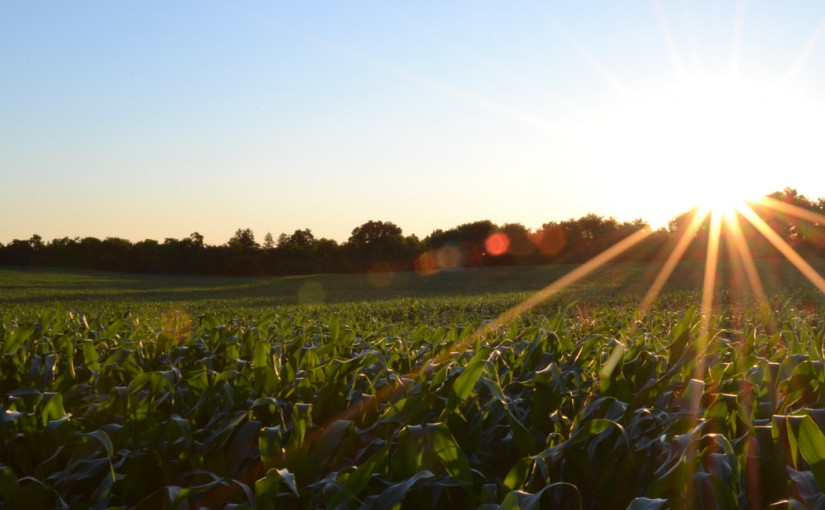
(382, 246)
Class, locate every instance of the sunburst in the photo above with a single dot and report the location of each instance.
(723, 204)
(720, 141)
(724, 219)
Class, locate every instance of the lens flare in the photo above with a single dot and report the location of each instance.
(449, 257)
(497, 244)
(381, 276)
(707, 220)
(550, 240)
(176, 324)
(441, 259)
(426, 264)
(311, 292)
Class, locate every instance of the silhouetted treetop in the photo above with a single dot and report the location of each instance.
(243, 239)
(381, 245)
(374, 232)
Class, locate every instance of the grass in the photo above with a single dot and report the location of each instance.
(27, 288)
(374, 391)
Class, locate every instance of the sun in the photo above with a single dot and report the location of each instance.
(717, 202)
(724, 199)
(712, 142)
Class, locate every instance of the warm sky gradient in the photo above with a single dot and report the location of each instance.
(157, 119)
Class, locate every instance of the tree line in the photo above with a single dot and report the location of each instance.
(382, 246)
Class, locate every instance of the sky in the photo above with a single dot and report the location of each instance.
(158, 119)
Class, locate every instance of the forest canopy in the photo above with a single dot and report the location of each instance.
(382, 246)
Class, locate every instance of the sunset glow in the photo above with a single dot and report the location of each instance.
(437, 255)
(278, 119)
(712, 142)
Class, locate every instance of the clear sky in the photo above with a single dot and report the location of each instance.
(158, 119)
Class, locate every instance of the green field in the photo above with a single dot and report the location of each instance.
(398, 389)
(43, 286)
(27, 289)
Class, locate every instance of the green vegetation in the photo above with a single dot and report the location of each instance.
(151, 392)
(378, 246)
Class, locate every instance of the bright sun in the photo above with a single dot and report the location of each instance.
(719, 200)
(714, 143)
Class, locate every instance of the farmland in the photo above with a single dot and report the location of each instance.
(378, 390)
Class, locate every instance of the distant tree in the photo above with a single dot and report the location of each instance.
(149, 256)
(36, 242)
(520, 244)
(579, 239)
(296, 252)
(378, 244)
(434, 239)
(269, 241)
(115, 254)
(475, 233)
(795, 230)
(243, 239)
(63, 252)
(240, 256)
(680, 222)
(638, 224)
(375, 234)
(151, 243)
(327, 254)
(413, 244)
(301, 238)
(302, 253)
(195, 240)
(550, 240)
(468, 238)
(592, 226)
(18, 253)
(801, 234)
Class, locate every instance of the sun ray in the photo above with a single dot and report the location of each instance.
(804, 54)
(806, 269)
(693, 43)
(670, 264)
(475, 99)
(754, 280)
(711, 262)
(540, 296)
(793, 210)
(469, 97)
(573, 276)
(387, 392)
(741, 249)
(702, 340)
(736, 42)
(670, 44)
(602, 70)
(817, 219)
(495, 67)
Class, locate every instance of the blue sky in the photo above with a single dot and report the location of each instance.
(158, 119)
